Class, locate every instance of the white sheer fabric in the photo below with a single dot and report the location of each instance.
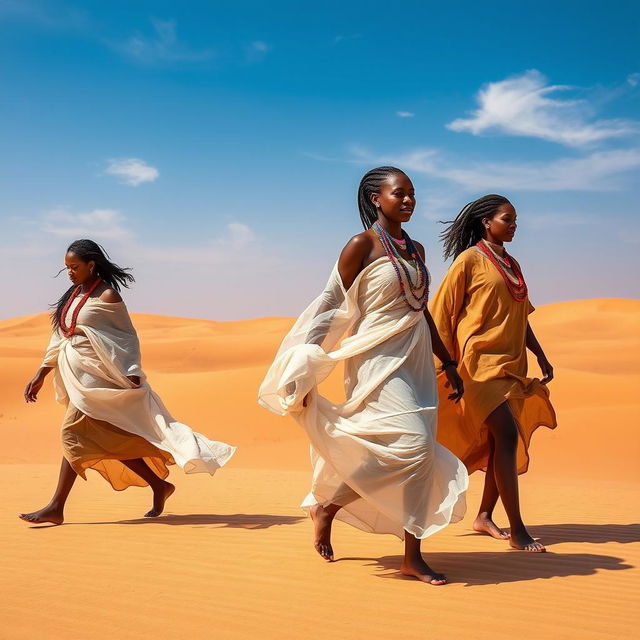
(376, 453)
(91, 373)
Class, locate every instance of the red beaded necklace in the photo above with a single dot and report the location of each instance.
(518, 291)
(67, 332)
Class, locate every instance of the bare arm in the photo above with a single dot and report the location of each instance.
(534, 346)
(440, 351)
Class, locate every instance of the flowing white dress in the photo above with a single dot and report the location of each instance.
(376, 453)
(91, 375)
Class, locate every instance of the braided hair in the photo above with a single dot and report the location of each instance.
(113, 275)
(370, 184)
(466, 230)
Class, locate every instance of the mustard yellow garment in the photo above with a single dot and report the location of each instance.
(484, 329)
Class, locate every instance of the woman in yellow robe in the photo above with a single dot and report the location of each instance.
(481, 311)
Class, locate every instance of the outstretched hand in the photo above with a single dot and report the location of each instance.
(455, 382)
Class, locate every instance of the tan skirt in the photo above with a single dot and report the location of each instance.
(88, 443)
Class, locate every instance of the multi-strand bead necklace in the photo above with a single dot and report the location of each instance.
(518, 290)
(67, 331)
(419, 291)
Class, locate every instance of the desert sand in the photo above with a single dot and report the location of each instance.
(232, 555)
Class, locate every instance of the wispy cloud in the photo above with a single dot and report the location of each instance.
(104, 224)
(257, 50)
(344, 38)
(633, 79)
(162, 45)
(405, 114)
(523, 106)
(554, 220)
(112, 225)
(598, 171)
(132, 171)
(56, 17)
(219, 250)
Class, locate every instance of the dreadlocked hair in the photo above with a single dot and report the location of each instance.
(466, 230)
(370, 184)
(113, 275)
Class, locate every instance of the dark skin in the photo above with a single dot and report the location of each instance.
(502, 477)
(82, 273)
(395, 204)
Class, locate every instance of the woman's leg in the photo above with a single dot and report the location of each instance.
(161, 489)
(323, 517)
(414, 565)
(54, 511)
(484, 522)
(504, 430)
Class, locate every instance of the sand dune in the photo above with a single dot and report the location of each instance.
(232, 557)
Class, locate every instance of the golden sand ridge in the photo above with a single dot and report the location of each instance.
(232, 556)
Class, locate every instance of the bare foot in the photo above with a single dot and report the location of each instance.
(45, 515)
(160, 496)
(418, 568)
(322, 522)
(484, 524)
(524, 542)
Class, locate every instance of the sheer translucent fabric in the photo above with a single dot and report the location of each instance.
(376, 452)
(484, 328)
(91, 374)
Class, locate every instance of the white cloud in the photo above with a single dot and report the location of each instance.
(257, 50)
(162, 46)
(598, 171)
(132, 171)
(633, 79)
(220, 250)
(345, 38)
(560, 219)
(105, 224)
(522, 106)
(56, 17)
(240, 235)
(405, 114)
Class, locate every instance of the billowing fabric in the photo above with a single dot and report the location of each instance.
(484, 329)
(376, 453)
(91, 374)
(88, 443)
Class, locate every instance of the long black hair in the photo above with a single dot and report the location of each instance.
(88, 250)
(466, 230)
(370, 184)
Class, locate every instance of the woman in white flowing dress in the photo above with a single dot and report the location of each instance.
(376, 462)
(114, 423)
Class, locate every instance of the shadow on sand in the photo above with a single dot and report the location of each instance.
(235, 521)
(550, 534)
(496, 567)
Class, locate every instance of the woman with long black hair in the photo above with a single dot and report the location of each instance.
(376, 463)
(481, 310)
(114, 422)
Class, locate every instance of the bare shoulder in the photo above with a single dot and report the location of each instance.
(359, 246)
(353, 256)
(110, 295)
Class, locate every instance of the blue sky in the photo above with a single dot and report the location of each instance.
(216, 147)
